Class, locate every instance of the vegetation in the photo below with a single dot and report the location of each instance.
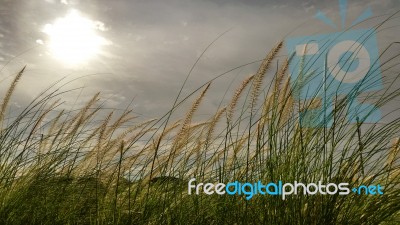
(67, 167)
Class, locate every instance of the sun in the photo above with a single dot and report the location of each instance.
(73, 39)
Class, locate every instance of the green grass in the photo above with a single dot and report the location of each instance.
(72, 167)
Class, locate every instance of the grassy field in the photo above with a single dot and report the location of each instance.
(78, 167)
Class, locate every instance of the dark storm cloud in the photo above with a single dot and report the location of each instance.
(156, 42)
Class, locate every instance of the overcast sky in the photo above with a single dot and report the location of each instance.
(149, 46)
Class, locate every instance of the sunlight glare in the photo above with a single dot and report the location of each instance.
(73, 39)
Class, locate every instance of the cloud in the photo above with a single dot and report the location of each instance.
(155, 43)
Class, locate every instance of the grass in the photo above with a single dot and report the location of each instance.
(72, 167)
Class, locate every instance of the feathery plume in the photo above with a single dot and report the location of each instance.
(237, 95)
(259, 77)
(9, 93)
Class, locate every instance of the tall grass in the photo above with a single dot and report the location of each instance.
(67, 167)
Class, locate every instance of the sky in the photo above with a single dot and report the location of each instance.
(142, 50)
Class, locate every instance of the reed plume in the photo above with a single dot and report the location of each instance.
(184, 131)
(236, 96)
(259, 77)
(9, 93)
